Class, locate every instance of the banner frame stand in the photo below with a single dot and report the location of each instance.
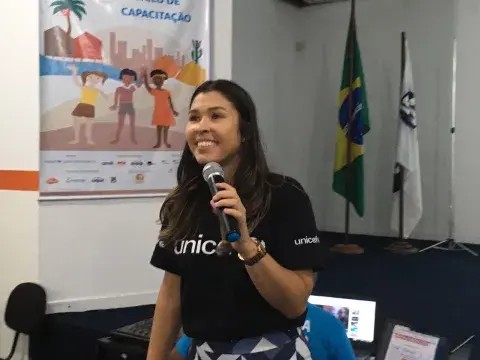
(449, 244)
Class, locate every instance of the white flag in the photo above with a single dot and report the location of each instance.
(408, 157)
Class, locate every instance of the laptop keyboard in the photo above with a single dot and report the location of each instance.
(140, 330)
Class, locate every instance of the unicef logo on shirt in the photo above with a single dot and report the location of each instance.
(196, 247)
(307, 240)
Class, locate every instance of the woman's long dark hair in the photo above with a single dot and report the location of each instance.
(179, 212)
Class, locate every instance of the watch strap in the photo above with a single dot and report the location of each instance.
(261, 252)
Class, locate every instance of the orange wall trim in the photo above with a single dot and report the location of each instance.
(20, 180)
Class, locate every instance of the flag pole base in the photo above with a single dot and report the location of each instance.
(450, 245)
(349, 249)
(402, 247)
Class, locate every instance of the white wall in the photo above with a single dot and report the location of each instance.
(95, 254)
(429, 25)
(19, 141)
(265, 62)
(296, 93)
(467, 163)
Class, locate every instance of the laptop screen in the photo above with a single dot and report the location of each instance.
(357, 316)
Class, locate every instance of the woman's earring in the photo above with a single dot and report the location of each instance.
(243, 140)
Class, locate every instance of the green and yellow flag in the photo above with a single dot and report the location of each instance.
(352, 105)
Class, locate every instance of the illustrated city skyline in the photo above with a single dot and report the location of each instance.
(89, 47)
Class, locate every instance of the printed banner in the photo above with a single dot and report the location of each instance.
(116, 78)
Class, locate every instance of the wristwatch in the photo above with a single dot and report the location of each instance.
(261, 252)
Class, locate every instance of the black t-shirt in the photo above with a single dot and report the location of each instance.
(218, 299)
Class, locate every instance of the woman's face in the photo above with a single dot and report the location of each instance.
(212, 130)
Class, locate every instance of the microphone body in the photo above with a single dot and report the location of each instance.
(213, 174)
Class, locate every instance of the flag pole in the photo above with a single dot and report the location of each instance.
(401, 169)
(346, 247)
(401, 246)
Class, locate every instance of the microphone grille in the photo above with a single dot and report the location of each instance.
(211, 169)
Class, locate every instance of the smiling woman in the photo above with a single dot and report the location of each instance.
(230, 304)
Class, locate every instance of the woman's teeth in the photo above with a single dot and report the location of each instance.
(205, 144)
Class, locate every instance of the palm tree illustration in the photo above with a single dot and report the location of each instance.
(67, 7)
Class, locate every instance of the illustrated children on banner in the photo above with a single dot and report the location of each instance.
(123, 101)
(84, 112)
(164, 111)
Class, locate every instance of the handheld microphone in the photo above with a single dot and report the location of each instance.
(213, 174)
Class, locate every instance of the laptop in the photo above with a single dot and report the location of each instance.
(137, 333)
(358, 318)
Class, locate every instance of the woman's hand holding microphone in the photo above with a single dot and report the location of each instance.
(228, 199)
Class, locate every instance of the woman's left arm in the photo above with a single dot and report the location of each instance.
(284, 289)
(286, 279)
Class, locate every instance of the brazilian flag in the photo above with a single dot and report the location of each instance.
(352, 105)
